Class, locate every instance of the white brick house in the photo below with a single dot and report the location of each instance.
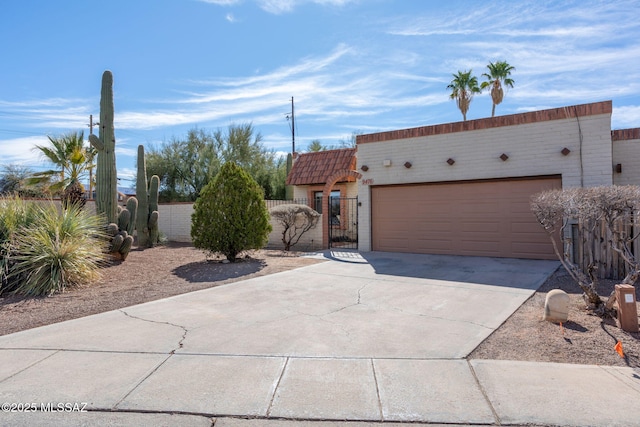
(464, 188)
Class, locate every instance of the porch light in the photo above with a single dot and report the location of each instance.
(364, 168)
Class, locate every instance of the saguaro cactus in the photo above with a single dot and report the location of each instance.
(119, 220)
(147, 218)
(105, 143)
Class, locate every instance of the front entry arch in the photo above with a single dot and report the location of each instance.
(326, 195)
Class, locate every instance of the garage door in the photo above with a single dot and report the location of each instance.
(482, 218)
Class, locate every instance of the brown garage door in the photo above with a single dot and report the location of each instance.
(483, 218)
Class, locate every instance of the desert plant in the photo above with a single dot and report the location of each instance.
(295, 220)
(59, 249)
(613, 206)
(106, 178)
(147, 215)
(230, 215)
(15, 213)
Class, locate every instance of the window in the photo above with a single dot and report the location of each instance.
(334, 200)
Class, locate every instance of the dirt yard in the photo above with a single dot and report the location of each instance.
(174, 269)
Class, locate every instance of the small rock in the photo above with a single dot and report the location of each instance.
(556, 306)
(225, 261)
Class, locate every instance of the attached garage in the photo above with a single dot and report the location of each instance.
(481, 218)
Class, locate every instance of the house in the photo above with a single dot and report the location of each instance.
(319, 178)
(464, 188)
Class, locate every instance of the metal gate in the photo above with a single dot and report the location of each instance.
(343, 222)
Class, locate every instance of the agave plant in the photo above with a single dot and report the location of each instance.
(59, 249)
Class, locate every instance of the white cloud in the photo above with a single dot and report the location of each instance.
(230, 17)
(22, 150)
(625, 117)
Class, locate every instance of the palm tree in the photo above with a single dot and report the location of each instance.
(72, 160)
(497, 76)
(463, 87)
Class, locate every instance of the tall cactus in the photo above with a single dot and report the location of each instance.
(147, 218)
(105, 143)
(119, 220)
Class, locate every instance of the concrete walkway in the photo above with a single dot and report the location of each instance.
(363, 337)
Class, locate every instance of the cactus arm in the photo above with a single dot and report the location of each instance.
(97, 144)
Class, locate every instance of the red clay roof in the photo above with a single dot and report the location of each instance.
(317, 167)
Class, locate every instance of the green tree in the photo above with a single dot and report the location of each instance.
(497, 77)
(71, 159)
(230, 215)
(463, 87)
(185, 166)
(315, 146)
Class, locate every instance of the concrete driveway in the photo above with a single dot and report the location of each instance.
(378, 305)
(366, 337)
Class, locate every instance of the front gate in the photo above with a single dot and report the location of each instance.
(343, 222)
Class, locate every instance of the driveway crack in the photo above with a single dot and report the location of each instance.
(185, 331)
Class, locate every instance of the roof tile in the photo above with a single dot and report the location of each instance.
(317, 167)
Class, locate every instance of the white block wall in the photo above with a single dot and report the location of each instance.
(627, 153)
(174, 221)
(533, 149)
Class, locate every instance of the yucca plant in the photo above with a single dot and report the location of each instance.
(61, 248)
(15, 213)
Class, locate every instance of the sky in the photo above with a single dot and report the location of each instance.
(361, 66)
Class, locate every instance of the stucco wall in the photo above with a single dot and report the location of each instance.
(175, 222)
(626, 153)
(532, 141)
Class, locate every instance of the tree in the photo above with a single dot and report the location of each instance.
(230, 215)
(185, 166)
(13, 180)
(614, 207)
(463, 87)
(497, 76)
(295, 220)
(72, 161)
(315, 146)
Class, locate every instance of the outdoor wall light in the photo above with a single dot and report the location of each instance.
(504, 157)
(407, 165)
(451, 161)
(364, 168)
(565, 151)
(619, 168)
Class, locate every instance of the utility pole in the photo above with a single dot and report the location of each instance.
(293, 128)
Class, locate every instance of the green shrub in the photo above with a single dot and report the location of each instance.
(230, 215)
(14, 214)
(58, 249)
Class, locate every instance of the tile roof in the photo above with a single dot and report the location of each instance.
(317, 167)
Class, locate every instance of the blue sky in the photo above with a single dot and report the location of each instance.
(351, 65)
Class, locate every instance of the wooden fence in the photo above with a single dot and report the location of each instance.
(592, 246)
